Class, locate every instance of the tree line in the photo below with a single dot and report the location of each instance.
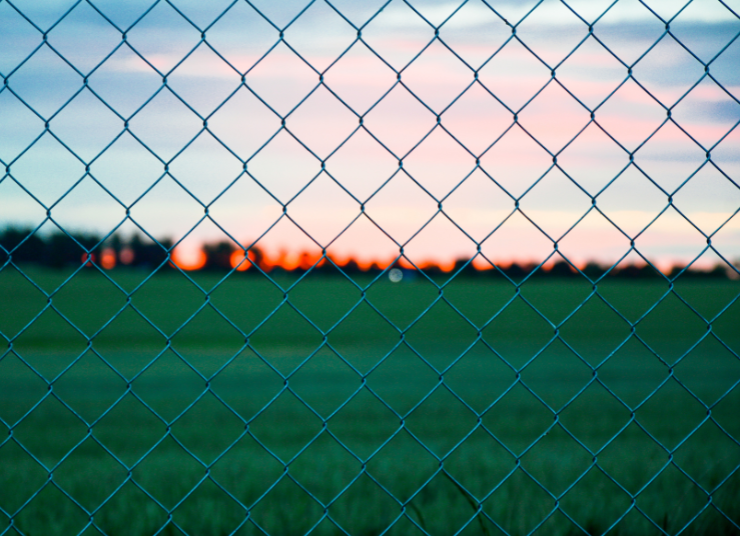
(61, 250)
(68, 250)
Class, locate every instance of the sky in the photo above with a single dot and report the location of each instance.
(441, 127)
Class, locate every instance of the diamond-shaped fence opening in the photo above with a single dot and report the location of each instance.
(383, 267)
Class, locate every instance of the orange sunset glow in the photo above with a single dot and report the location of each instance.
(193, 259)
(189, 259)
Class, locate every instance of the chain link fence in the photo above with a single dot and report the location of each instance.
(293, 395)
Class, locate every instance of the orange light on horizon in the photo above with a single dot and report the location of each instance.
(307, 260)
(446, 266)
(190, 259)
(126, 256)
(479, 263)
(88, 259)
(108, 259)
(382, 265)
(364, 264)
(403, 262)
(288, 261)
(241, 262)
(267, 263)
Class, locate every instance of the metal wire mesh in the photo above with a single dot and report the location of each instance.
(405, 510)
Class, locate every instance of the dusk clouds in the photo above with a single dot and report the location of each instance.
(442, 127)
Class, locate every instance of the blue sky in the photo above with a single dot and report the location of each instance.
(143, 140)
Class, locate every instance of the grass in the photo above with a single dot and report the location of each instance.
(187, 419)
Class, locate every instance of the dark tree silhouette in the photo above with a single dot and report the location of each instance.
(59, 250)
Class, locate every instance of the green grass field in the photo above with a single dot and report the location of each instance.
(391, 420)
